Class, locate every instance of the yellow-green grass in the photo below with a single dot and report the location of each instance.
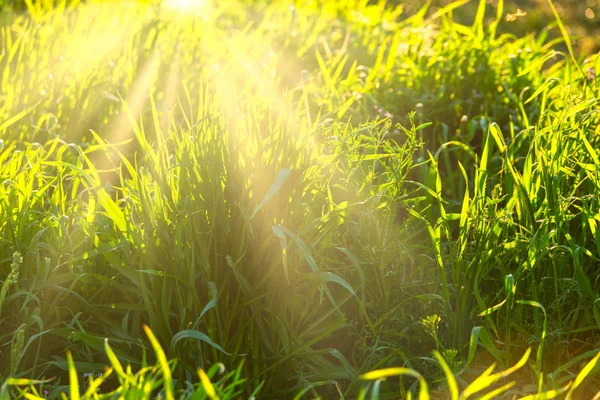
(324, 198)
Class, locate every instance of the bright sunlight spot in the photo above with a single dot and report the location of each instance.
(187, 5)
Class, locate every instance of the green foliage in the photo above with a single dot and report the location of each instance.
(315, 198)
(217, 383)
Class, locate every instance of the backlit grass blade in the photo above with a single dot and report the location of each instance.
(73, 380)
(585, 371)
(540, 351)
(385, 373)
(116, 364)
(450, 380)
(207, 385)
(567, 39)
(493, 394)
(487, 380)
(162, 360)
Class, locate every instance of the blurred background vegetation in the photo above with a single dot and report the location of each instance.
(582, 17)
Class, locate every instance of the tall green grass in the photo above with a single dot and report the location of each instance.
(315, 198)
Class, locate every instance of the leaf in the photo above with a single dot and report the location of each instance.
(326, 75)
(25, 382)
(212, 302)
(282, 177)
(496, 392)
(540, 351)
(481, 334)
(114, 361)
(592, 152)
(479, 17)
(96, 383)
(278, 232)
(550, 394)
(207, 385)
(347, 366)
(496, 133)
(492, 309)
(12, 120)
(112, 210)
(388, 372)
(163, 363)
(73, 382)
(382, 374)
(324, 276)
(473, 342)
(582, 375)
(195, 334)
(434, 235)
(450, 379)
(462, 146)
(486, 380)
(481, 175)
(344, 107)
(567, 40)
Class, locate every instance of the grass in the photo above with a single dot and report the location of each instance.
(328, 199)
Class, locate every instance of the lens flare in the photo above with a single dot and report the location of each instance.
(186, 5)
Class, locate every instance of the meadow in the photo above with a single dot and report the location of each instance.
(309, 199)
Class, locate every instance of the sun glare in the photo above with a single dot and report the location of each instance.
(186, 5)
